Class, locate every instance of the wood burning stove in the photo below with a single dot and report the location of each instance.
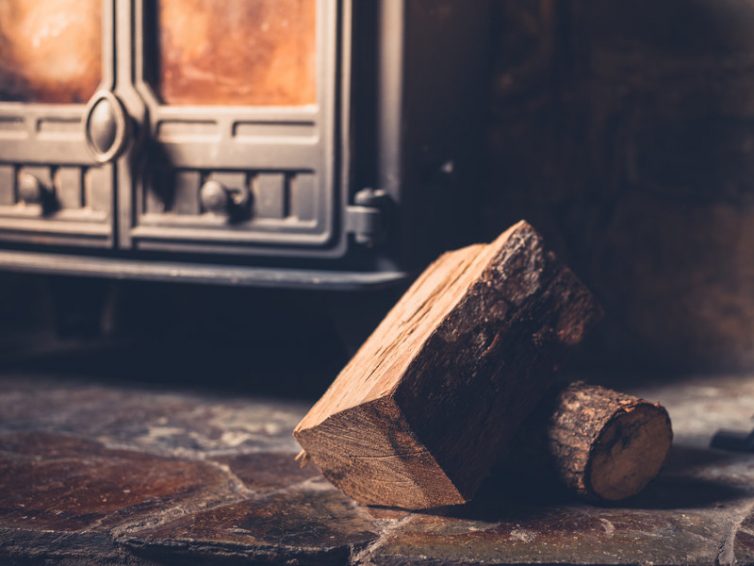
(265, 142)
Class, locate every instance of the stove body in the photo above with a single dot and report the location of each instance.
(298, 143)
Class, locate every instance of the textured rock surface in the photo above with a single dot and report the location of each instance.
(93, 473)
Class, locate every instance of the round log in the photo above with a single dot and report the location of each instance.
(599, 443)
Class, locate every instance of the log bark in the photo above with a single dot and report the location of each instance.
(422, 411)
(597, 442)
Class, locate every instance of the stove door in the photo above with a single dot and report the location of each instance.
(60, 125)
(239, 148)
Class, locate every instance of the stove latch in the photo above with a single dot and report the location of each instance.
(107, 127)
(365, 219)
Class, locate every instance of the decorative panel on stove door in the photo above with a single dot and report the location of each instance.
(239, 155)
(60, 124)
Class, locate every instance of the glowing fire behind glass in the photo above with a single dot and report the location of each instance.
(236, 52)
(50, 50)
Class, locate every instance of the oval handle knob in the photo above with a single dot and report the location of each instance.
(214, 197)
(219, 198)
(106, 126)
(30, 189)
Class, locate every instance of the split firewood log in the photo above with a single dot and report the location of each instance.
(598, 443)
(423, 410)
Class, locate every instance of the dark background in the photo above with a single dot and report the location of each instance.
(623, 130)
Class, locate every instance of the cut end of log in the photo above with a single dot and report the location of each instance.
(629, 451)
(377, 461)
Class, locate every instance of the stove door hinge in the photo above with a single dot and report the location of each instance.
(365, 219)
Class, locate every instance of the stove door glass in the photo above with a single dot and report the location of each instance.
(235, 52)
(50, 50)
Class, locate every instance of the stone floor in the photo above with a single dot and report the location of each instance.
(114, 473)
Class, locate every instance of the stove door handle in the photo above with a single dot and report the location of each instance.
(107, 126)
(219, 199)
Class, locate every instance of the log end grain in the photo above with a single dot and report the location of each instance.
(371, 454)
(629, 451)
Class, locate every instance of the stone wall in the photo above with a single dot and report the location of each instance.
(624, 130)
